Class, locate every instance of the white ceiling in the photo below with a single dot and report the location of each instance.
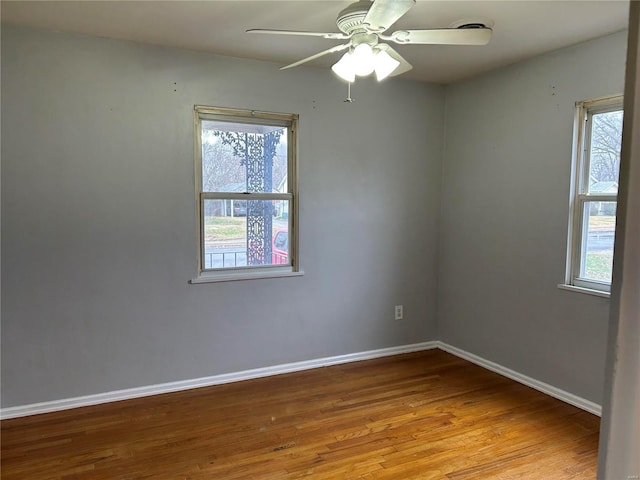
(522, 29)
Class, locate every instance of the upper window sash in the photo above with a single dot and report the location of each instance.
(586, 110)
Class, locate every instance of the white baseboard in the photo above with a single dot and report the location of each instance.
(65, 404)
(550, 390)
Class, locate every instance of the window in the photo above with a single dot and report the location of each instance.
(594, 193)
(246, 193)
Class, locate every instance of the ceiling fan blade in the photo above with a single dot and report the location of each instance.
(330, 36)
(404, 65)
(384, 13)
(444, 36)
(317, 55)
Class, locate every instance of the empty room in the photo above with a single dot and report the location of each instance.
(388, 239)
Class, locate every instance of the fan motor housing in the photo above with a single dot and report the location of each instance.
(350, 19)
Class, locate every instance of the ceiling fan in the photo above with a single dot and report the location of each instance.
(363, 24)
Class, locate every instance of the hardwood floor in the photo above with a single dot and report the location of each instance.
(426, 415)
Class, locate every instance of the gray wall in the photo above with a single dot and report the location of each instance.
(98, 218)
(504, 217)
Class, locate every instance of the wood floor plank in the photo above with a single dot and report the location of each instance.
(425, 415)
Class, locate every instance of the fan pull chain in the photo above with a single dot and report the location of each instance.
(349, 99)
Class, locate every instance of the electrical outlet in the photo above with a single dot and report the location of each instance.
(399, 315)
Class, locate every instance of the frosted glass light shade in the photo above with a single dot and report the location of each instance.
(385, 64)
(344, 68)
(363, 60)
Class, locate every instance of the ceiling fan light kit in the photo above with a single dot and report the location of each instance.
(363, 61)
(363, 24)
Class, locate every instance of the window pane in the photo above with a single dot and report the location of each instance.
(597, 241)
(604, 164)
(238, 157)
(241, 233)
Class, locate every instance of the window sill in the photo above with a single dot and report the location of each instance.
(252, 275)
(587, 291)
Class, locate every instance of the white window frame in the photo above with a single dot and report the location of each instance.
(290, 122)
(580, 193)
